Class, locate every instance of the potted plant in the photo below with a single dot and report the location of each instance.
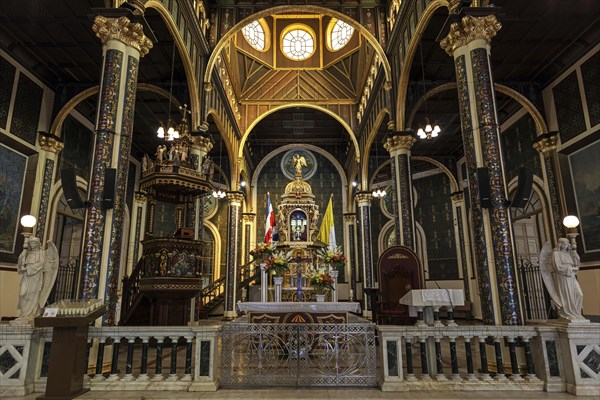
(277, 263)
(321, 281)
(262, 252)
(335, 259)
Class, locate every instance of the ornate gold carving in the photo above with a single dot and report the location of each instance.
(363, 198)
(235, 197)
(546, 143)
(470, 28)
(140, 197)
(457, 196)
(399, 142)
(202, 143)
(52, 143)
(121, 29)
(248, 217)
(350, 217)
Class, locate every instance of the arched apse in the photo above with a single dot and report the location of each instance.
(56, 128)
(307, 9)
(310, 147)
(185, 58)
(313, 106)
(364, 169)
(540, 123)
(408, 60)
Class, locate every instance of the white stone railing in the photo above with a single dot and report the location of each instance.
(543, 358)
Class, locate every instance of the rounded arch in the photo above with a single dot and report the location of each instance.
(185, 58)
(56, 128)
(216, 248)
(383, 234)
(386, 163)
(408, 59)
(307, 9)
(364, 168)
(313, 106)
(445, 170)
(310, 147)
(229, 147)
(540, 123)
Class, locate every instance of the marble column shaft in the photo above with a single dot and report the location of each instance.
(458, 209)
(123, 45)
(137, 230)
(363, 200)
(233, 244)
(51, 146)
(546, 145)
(469, 43)
(399, 145)
(353, 277)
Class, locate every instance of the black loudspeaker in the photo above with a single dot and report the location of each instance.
(69, 184)
(108, 192)
(483, 177)
(523, 192)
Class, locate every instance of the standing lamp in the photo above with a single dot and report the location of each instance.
(28, 222)
(571, 222)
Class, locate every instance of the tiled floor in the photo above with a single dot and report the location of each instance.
(314, 394)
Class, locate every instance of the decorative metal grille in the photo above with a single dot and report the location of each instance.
(298, 354)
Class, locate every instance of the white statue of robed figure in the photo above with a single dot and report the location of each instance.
(38, 269)
(559, 269)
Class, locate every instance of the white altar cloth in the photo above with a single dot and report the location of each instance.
(434, 298)
(299, 306)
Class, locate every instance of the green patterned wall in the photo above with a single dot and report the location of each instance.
(7, 77)
(569, 110)
(26, 112)
(79, 143)
(590, 72)
(517, 148)
(433, 212)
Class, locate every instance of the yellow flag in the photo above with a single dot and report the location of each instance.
(327, 231)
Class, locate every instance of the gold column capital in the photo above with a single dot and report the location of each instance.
(350, 217)
(468, 29)
(457, 196)
(546, 143)
(235, 197)
(140, 197)
(50, 142)
(248, 217)
(123, 30)
(363, 198)
(400, 141)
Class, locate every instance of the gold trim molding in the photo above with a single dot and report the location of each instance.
(51, 143)
(123, 30)
(399, 142)
(470, 28)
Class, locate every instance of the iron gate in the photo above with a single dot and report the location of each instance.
(255, 354)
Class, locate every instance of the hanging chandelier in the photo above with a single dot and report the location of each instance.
(171, 132)
(379, 193)
(219, 194)
(429, 131)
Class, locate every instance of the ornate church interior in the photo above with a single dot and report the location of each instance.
(210, 195)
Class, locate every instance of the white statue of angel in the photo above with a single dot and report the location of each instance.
(38, 268)
(559, 269)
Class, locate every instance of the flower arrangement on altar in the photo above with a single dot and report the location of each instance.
(321, 281)
(333, 258)
(277, 263)
(262, 252)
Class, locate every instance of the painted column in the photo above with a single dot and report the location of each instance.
(458, 207)
(51, 145)
(469, 43)
(248, 219)
(363, 200)
(124, 44)
(351, 270)
(150, 209)
(235, 200)
(201, 145)
(399, 145)
(136, 230)
(546, 145)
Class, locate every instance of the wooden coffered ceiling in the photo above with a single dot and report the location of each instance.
(325, 77)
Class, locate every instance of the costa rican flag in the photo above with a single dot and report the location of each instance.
(270, 224)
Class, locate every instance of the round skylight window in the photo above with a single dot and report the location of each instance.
(254, 33)
(340, 34)
(298, 43)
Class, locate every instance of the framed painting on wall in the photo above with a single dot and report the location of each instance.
(12, 179)
(585, 165)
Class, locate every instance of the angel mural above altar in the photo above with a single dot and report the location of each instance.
(38, 268)
(559, 269)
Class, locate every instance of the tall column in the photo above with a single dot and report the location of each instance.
(248, 219)
(399, 145)
(199, 149)
(458, 211)
(136, 231)
(546, 145)
(124, 44)
(235, 200)
(51, 146)
(469, 43)
(352, 273)
(363, 200)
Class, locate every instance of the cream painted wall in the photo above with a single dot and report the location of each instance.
(9, 293)
(589, 280)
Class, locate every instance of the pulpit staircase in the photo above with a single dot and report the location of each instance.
(214, 294)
